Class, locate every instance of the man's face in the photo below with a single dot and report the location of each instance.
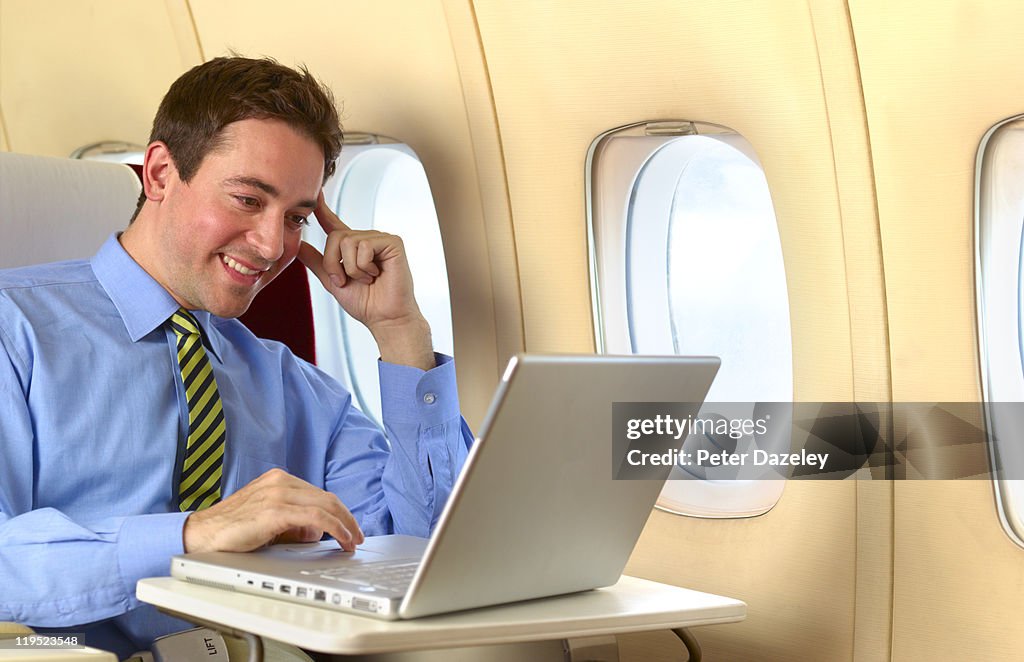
(237, 224)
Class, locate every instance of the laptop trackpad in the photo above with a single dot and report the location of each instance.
(375, 548)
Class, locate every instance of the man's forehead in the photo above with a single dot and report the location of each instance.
(254, 132)
(275, 171)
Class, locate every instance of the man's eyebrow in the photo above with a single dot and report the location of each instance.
(269, 189)
(255, 183)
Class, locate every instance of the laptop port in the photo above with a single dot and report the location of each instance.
(363, 604)
(268, 585)
(320, 595)
(285, 588)
(300, 592)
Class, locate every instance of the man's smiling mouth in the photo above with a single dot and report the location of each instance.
(240, 268)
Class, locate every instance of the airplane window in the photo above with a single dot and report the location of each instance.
(111, 151)
(380, 184)
(686, 259)
(999, 246)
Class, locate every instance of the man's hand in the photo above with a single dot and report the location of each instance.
(368, 273)
(276, 507)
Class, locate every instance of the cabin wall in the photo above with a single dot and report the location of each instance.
(72, 73)
(865, 115)
(559, 80)
(936, 77)
(3, 135)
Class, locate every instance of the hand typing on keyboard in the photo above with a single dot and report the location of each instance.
(275, 508)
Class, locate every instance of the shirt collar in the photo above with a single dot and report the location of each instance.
(143, 303)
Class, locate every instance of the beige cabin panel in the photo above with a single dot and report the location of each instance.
(560, 81)
(959, 580)
(855, 183)
(179, 14)
(925, 66)
(74, 72)
(3, 134)
(393, 71)
(489, 160)
(936, 77)
(868, 314)
(795, 567)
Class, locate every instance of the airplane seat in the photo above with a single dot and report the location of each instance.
(283, 311)
(60, 209)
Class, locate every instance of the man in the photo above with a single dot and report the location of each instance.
(139, 419)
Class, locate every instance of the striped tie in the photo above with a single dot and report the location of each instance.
(201, 471)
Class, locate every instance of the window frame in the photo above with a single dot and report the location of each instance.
(612, 171)
(998, 219)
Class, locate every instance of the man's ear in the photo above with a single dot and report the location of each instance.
(157, 169)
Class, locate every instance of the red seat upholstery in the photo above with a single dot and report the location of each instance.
(282, 311)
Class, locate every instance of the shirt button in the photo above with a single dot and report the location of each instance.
(429, 398)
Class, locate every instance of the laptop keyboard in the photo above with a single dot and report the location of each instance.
(386, 576)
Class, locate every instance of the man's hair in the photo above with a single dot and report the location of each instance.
(212, 95)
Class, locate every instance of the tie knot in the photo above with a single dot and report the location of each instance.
(184, 324)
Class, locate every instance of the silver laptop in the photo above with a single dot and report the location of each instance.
(535, 511)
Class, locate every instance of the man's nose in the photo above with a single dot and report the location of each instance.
(268, 237)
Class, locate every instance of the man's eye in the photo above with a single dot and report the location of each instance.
(248, 201)
(300, 220)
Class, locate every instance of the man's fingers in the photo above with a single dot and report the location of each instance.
(328, 220)
(364, 258)
(300, 504)
(279, 486)
(300, 534)
(312, 258)
(301, 522)
(351, 250)
(274, 506)
(314, 261)
(319, 508)
(355, 254)
(289, 521)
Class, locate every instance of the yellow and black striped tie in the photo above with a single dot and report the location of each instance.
(204, 453)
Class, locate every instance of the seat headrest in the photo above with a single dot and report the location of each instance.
(60, 209)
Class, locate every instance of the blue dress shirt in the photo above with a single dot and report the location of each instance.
(92, 421)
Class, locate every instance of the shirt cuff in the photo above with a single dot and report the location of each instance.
(412, 395)
(145, 545)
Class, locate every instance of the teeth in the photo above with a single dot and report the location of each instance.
(239, 268)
